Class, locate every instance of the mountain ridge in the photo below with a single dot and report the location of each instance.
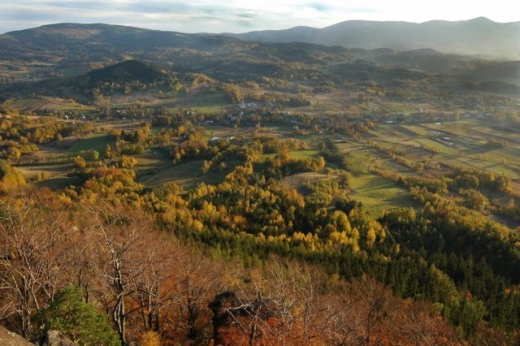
(69, 49)
(478, 36)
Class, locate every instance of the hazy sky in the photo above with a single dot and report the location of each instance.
(241, 16)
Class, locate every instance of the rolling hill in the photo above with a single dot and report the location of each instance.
(78, 51)
(505, 71)
(127, 71)
(79, 41)
(479, 36)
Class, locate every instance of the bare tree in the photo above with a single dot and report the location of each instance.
(274, 305)
(196, 281)
(153, 285)
(119, 242)
(292, 292)
(363, 312)
(84, 265)
(35, 249)
(372, 305)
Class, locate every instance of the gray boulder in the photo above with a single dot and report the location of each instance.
(54, 338)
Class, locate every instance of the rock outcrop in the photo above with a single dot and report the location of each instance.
(51, 338)
(8, 338)
(54, 338)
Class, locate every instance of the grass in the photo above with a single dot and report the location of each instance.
(281, 129)
(378, 194)
(58, 183)
(507, 155)
(152, 161)
(52, 170)
(304, 154)
(169, 173)
(95, 142)
(399, 108)
(207, 109)
(54, 103)
(443, 149)
(413, 130)
(187, 175)
(359, 161)
(297, 181)
(503, 169)
(209, 103)
(27, 104)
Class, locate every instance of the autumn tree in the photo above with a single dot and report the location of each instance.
(118, 241)
(274, 306)
(34, 253)
(154, 284)
(79, 163)
(196, 281)
(10, 177)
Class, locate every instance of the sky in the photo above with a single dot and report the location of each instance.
(238, 16)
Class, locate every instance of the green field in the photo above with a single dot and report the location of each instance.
(94, 142)
(50, 103)
(443, 149)
(59, 182)
(378, 194)
(155, 168)
(359, 161)
(298, 154)
(153, 160)
(415, 129)
(161, 173)
(304, 154)
(209, 103)
(389, 146)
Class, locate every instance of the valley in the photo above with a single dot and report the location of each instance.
(290, 170)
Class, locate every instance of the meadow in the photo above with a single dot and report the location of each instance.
(405, 148)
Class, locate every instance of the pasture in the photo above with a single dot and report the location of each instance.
(378, 194)
(96, 142)
(405, 148)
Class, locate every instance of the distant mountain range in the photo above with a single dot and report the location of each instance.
(71, 50)
(74, 46)
(479, 36)
(77, 41)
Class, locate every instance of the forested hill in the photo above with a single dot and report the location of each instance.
(479, 36)
(80, 41)
(129, 70)
(74, 49)
(71, 50)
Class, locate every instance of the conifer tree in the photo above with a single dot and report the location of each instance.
(77, 320)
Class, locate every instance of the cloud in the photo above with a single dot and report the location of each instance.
(320, 6)
(237, 15)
